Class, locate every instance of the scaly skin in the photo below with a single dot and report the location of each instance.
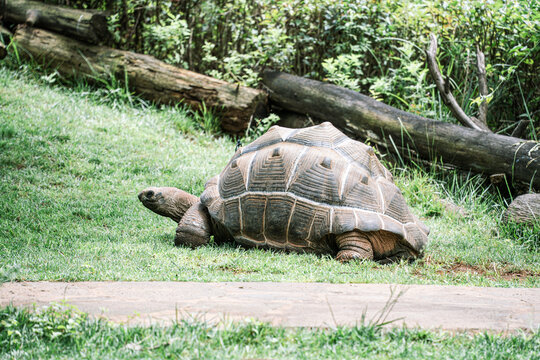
(167, 201)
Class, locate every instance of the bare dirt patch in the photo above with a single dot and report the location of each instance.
(492, 272)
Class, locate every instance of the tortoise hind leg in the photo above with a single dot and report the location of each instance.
(353, 245)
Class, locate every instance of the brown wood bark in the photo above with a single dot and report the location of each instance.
(89, 26)
(150, 78)
(368, 119)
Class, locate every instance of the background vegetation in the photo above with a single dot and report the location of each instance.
(374, 46)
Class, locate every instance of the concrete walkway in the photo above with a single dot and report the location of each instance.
(290, 304)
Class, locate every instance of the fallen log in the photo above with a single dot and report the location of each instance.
(150, 78)
(368, 119)
(89, 26)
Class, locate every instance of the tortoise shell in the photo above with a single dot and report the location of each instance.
(292, 188)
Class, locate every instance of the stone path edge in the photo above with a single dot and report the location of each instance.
(321, 305)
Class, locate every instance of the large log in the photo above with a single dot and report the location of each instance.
(89, 26)
(152, 79)
(366, 118)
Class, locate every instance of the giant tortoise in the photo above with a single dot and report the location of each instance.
(306, 190)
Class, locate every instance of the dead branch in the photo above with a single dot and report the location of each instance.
(445, 92)
(482, 85)
(520, 128)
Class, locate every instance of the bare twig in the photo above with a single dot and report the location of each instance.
(445, 92)
(482, 85)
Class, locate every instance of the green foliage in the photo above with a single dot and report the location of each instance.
(169, 40)
(206, 120)
(63, 332)
(406, 84)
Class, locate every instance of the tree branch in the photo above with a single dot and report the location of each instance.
(520, 128)
(482, 85)
(445, 92)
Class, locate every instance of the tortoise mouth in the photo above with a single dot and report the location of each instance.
(148, 196)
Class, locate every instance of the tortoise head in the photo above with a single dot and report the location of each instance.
(167, 201)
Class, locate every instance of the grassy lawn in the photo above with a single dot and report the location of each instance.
(72, 163)
(63, 333)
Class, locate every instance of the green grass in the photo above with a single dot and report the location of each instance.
(64, 333)
(72, 163)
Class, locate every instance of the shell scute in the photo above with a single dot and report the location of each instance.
(321, 223)
(300, 224)
(231, 216)
(324, 135)
(359, 192)
(271, 168)
(343, 221)
(368, 221)
(253, 209)
(277, 217)
(356, 152)
(316, 180)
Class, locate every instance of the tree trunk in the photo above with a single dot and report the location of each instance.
(150, 78)
(411, 135)
(83, 25)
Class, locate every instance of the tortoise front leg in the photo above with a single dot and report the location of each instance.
(194, 229)
(353, 245)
